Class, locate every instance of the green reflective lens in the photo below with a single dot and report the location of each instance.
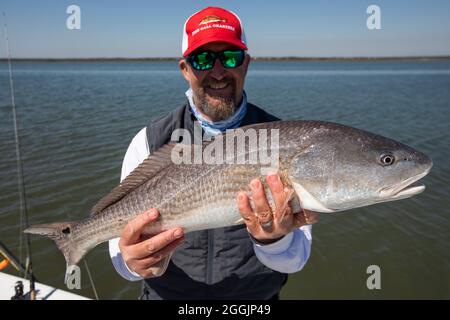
(230, 59)
(205, 60)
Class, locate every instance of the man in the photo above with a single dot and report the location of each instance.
(248, 261)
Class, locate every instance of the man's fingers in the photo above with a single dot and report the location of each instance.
(277, 189)
(306, 217)
(132, 231)
(244, 205)
(156, 243)
(150, 261)
(245, 209)
(143, 257)
(261, 206)
(311, 217)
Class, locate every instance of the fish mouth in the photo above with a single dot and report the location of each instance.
(405, 189)
(409, 191)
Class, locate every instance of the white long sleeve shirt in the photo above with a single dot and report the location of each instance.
(287, 255)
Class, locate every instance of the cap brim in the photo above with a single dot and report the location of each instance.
(214, 38)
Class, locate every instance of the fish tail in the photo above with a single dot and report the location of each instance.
(61, 233)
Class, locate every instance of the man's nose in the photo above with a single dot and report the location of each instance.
(218, 72)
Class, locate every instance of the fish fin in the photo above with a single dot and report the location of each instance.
(160, 268)
(308, 201)
(61, 233)
(149, 168)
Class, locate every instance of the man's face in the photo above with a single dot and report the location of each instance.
(217, 92)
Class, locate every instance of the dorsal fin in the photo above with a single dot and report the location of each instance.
(155, 162)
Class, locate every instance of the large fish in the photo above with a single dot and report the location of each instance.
(331, 167)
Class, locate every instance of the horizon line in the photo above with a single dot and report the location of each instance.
(256, 58)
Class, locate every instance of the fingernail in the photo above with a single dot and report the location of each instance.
(240, 197)
(273, 177)
(152, 214)
(255, 184)
(178, 233)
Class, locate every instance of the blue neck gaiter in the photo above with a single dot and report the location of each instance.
(214, 128)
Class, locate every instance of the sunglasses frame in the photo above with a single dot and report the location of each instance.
(216, 55)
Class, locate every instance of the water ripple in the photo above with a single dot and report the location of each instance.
(76, 121)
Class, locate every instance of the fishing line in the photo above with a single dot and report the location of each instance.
(22, 197)
(24, 221)
(91, 280)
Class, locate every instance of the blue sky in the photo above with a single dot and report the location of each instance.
(119, 28)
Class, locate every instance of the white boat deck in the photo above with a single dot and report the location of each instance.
(44, 292)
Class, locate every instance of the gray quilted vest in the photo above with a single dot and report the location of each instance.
(211, 264)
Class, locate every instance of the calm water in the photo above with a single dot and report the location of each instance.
(76, 120)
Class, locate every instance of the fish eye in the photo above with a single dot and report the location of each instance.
(386, 159)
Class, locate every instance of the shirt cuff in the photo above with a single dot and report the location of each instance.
(277, 247)
(118, 262)
(134, 274)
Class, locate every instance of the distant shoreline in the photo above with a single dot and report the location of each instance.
(271, 59)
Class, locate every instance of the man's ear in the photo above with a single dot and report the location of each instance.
(182, 64)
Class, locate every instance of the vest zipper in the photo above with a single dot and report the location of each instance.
(210, 257)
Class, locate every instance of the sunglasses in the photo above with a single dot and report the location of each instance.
(205, 60)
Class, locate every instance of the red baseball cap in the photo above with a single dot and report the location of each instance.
(212, 24)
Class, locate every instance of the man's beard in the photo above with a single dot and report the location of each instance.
(224, 110)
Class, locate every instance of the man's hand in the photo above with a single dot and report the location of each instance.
(142, 254)
(263, 223)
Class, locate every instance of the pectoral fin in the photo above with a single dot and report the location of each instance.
(308, 201)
